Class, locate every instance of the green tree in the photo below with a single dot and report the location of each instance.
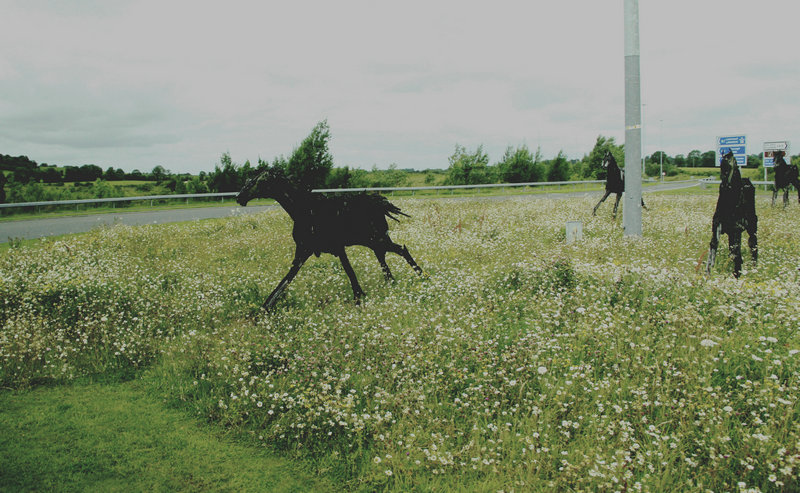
(559, 168)
(101, 189)
(466, 168)
(159, 173)
(3, 182)
(227, 178)
(339, 178)
(708, 159)
(520, 166)
(196, 185)
(311, 162)
(593, 163)
(694, 159)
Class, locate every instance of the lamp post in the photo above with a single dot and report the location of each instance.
(632, 207)
(661, 145)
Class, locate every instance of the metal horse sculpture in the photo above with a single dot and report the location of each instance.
(328, 224)
(615, 182)
(785, 176)
(735, 212)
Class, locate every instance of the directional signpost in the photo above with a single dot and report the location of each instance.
(769, 151)
(735, 143)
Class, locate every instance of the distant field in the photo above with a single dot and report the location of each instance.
(516, 363)
(752, 173)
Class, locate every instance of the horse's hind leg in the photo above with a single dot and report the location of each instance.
(752, 237)
(380, 253)
(735, 247)
(403, 252)
(594, 211)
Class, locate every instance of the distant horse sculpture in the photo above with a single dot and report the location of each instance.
(785, 177)
(324, 223)
(735, 213)
(615, 182)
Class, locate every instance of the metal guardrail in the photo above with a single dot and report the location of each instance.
(459, 187)
(223, 195)
(716, 181)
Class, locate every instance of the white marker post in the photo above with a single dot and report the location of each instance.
(632, 205)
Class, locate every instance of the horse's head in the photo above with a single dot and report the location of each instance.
(608, 160)
(728, 168)
(264, 184)
(778, 157)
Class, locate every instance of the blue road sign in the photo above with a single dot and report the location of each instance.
(731, 140)
(736, 150)
(734, 143)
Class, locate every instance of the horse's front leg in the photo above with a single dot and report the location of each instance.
(358, 293)
(594, 211)
(774, 195)
(299, 259)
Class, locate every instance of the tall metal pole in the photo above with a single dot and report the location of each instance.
(632, 205)
(661, 145)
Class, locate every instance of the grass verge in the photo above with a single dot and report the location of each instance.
(115, 437)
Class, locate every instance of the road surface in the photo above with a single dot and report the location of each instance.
(56, 226)
(39, 228)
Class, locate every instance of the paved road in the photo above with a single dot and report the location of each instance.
(38, 228)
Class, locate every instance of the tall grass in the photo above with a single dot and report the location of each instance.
(517, 362)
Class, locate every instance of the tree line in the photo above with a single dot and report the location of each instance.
(311, 164)
(520, 165)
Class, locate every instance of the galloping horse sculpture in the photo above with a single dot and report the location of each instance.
(735, 212)
(328, 224)
(785, 176)
(615, 182)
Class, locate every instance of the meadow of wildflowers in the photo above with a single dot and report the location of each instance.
(517, 363)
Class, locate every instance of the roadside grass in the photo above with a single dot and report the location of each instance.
(101, 208)
(113, 436)
(516, 363)
(165, 204)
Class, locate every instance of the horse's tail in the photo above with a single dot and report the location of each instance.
(389, 208)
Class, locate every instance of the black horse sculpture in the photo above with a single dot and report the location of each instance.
(615, 182)
(785, 176)
(735, 212)
(324, 223)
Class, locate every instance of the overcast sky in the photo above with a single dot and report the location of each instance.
(135, 84)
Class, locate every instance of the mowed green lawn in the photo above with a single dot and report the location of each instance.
(517, 362)
(113, 436)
